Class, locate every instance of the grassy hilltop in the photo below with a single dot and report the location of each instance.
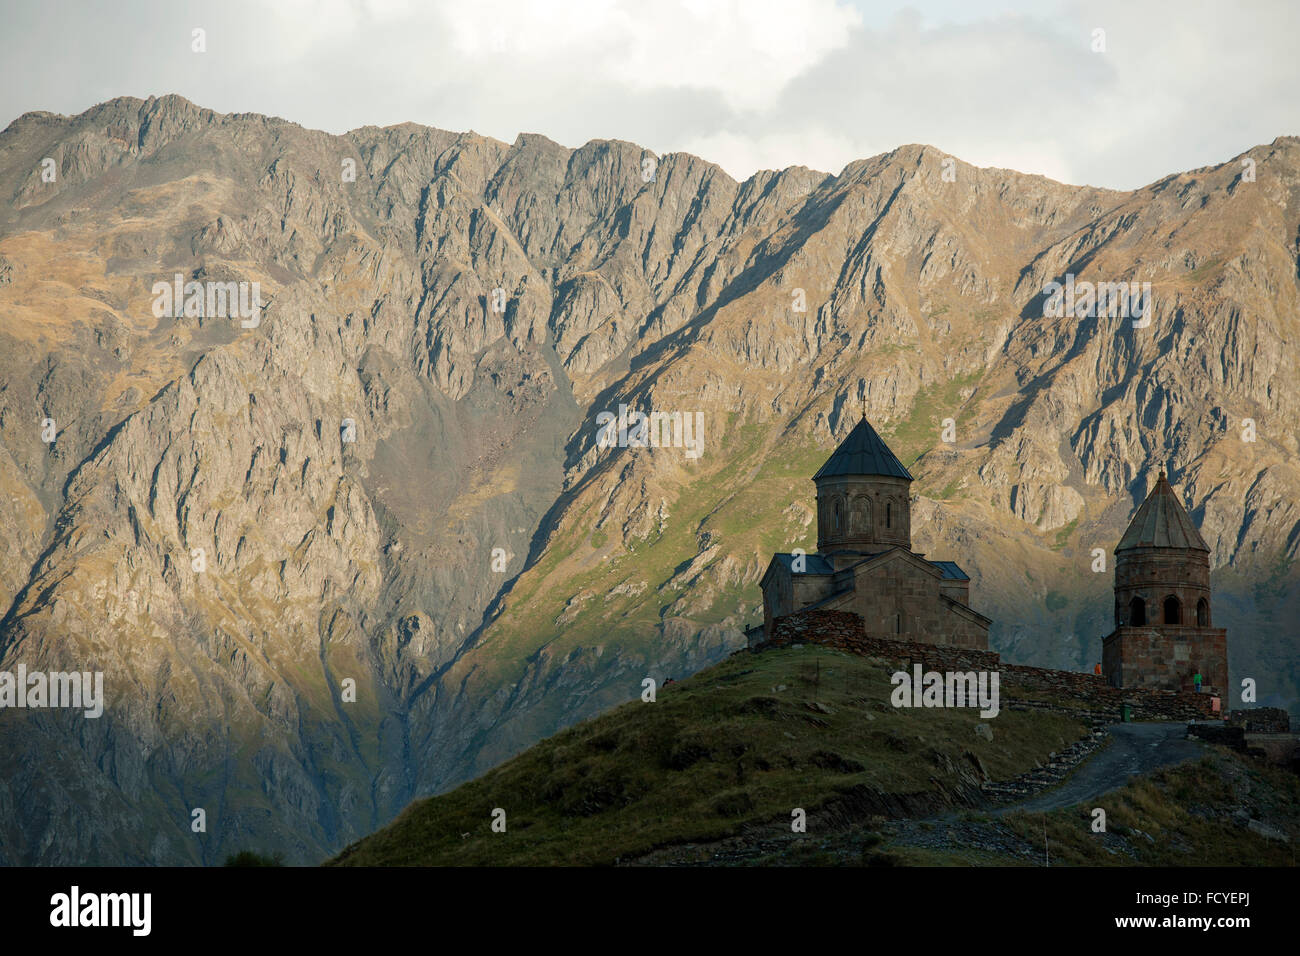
(711, 771)
(737, 746)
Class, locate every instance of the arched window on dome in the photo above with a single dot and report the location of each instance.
(1137, 612)
(889, 514)
(1173, 610)
(1202, 613)
(837, 516)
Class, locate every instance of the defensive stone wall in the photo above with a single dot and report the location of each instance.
(1037, 687)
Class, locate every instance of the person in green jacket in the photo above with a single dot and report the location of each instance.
(1196, 680)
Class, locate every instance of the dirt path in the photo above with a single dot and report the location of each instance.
(1135, 749)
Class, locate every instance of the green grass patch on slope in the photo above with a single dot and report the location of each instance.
(1063, 535)
(921, 429)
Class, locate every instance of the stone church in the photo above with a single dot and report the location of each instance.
(864, 561)
(1164, 631)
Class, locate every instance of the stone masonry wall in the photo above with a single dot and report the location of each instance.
(843, 631)
(1261, 720)
(880, 592)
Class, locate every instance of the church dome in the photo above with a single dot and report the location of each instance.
(1162, 522)
(863, 502)
(863, 452)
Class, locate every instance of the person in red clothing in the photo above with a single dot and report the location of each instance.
(1097, 670)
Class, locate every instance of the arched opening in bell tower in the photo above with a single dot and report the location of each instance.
(1137, 612)
(1173, 610)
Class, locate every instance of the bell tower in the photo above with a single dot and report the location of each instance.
(1164, 633)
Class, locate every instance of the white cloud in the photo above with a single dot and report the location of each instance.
(744, 51)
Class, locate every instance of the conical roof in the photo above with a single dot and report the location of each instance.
(1162, 522)
(863, 452)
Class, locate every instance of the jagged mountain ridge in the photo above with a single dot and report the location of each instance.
(475, 430)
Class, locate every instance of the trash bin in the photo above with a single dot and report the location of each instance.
(1128, 713)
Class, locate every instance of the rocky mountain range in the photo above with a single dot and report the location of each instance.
(365, 540)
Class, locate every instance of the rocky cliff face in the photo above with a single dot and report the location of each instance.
(366, 542)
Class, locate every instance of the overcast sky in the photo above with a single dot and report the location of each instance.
(748, 84)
